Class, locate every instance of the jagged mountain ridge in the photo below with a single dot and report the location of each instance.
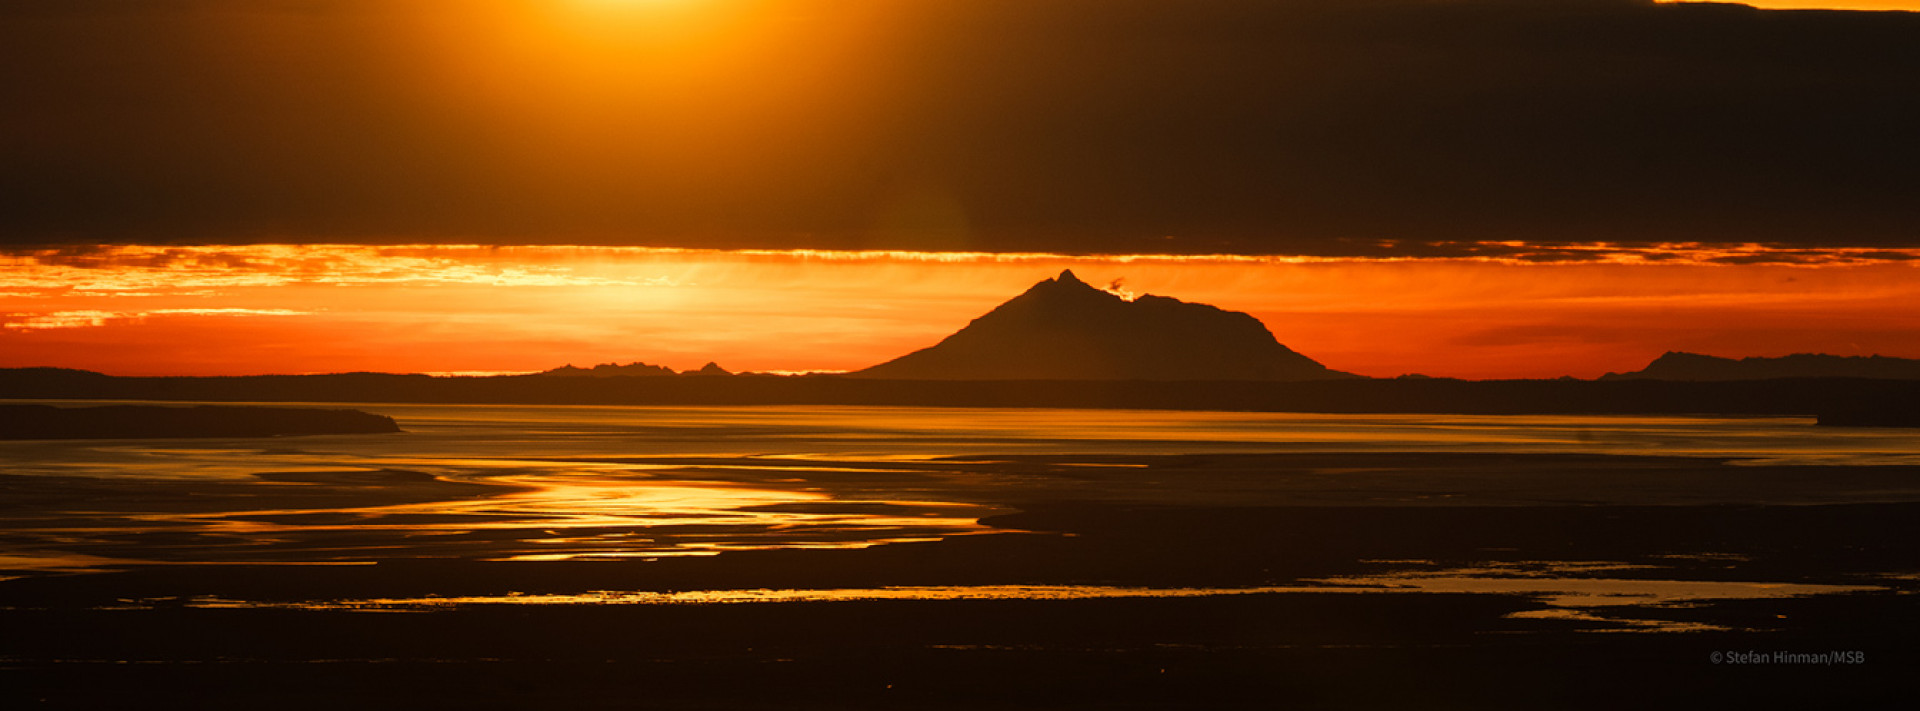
(635, 369)
(1065, 329)
(609, 370)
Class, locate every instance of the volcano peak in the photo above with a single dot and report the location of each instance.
(1066, 329)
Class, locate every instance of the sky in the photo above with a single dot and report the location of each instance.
(145, 310)
(1485, 188)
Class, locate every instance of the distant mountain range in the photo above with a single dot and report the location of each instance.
(1063, 329)
(636, 369)
(1066, 329)
(1836, 401)
(1693, 366)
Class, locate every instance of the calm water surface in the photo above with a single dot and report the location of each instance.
(555, 482)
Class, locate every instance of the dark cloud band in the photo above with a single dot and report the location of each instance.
(1119, 126)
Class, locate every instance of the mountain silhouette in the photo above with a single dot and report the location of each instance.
(609, 370)
(711, 368)
(1064, 329)
(1675, 365)
(635, 369)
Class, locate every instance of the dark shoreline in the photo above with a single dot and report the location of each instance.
(1793, 397)
(47, 422)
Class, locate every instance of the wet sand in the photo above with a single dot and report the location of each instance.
(1529, 531)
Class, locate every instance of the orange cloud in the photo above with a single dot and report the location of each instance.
(96, 319)
(1506, 310)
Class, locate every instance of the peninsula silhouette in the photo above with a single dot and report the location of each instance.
(1065, 329)
(1677, 365)
(37, 421)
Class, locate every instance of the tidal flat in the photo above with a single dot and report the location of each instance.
(607, 557)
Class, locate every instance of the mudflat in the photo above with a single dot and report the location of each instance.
(1358, 580)
(611, 558)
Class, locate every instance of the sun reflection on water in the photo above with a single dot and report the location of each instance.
(555, 483)
(1599, 604)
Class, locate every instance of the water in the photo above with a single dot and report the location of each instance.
(890, 433)
(555, 482)
(551, 483)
